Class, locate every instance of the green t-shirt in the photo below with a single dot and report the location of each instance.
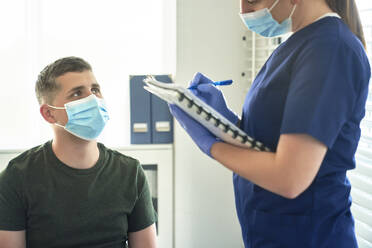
(60, 206)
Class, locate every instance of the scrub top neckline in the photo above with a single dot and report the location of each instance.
(304, 31)
(311, 25)
(330, 14)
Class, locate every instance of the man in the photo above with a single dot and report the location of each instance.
(73, 191)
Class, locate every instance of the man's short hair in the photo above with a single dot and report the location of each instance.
(46, 86)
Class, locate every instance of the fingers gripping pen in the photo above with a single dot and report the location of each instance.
(217, 83)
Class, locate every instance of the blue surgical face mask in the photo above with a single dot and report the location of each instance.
(86, 117)
(263, 23)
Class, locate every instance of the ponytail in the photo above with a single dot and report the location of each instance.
(348, 11)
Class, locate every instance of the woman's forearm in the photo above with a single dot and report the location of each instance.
(288, 172)
(257, 167)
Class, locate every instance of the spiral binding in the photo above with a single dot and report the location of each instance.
(226, 128)
(232, 131)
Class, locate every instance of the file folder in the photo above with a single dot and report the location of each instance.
(140, 111)
(151, 120)
(162, 119)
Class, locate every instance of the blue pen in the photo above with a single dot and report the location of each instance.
(217, 83)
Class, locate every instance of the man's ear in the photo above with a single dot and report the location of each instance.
(47, 113)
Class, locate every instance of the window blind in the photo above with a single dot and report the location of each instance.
(257, 50)
(361, 177)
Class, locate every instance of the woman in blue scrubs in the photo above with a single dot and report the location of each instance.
(306, 105)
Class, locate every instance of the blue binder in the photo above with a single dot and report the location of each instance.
(151, 121)
(140, 112)
(162, 119)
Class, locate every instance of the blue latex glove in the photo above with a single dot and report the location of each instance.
(211, 95)
(199, 134)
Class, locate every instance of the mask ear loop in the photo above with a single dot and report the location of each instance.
(293, 10)
(274, 4)
(56, 107)
(57, 124)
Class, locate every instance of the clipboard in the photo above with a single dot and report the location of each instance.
(202, 113)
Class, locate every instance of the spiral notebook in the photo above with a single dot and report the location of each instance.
(203, 113)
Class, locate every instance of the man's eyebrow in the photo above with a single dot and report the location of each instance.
(81, 87)
(96, 85)
(75, 89)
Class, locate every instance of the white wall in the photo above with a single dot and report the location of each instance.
(208, 40)
(6, 156)
(118, 38)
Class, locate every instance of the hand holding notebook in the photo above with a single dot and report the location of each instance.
(202, 137)
(204, 114)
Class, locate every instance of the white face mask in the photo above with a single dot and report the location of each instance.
(263, 23)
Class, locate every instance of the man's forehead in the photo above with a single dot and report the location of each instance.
(71, 80)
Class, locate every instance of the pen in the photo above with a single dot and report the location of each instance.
(217, 83)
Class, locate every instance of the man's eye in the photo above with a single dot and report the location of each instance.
(76, 93)
(95, 91)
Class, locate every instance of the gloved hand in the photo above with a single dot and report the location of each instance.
(211, 95)
(199, 134)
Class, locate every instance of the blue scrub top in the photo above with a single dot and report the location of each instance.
(315, 83)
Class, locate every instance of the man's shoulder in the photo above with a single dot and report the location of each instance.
(120, 158)
(25, 158)
(22, 163)
(126, 169)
